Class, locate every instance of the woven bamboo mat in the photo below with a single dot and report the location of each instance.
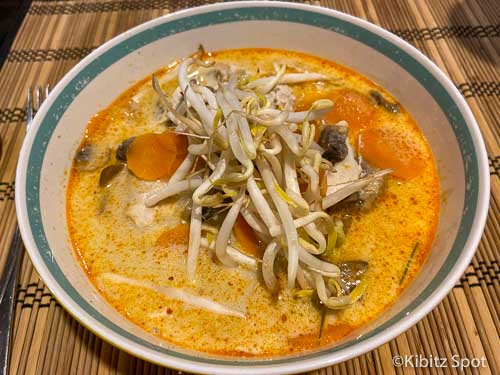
(462, 38)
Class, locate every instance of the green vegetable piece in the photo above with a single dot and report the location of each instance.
(408, 263)
(339, 228)
(284, 196)
(342, 302)
(303, 293)
(336, 238)
(322, 322)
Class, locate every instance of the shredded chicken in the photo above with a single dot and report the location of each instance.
(282, 97)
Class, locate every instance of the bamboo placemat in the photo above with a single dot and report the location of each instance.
(461, 37)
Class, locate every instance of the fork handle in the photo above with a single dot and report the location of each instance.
(8, 286)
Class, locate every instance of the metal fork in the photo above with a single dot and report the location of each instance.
(8, 280)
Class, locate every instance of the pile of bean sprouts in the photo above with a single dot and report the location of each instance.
(259, 156)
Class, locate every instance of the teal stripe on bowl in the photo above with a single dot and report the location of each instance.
(94, 68)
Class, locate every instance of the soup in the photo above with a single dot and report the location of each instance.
(252, 202)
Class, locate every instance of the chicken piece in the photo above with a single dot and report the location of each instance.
(367, 196)
(345, 171)
(282, 98)
(141, 215)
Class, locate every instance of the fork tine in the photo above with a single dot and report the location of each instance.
(29, 107)
(33, 103)
(38, 96)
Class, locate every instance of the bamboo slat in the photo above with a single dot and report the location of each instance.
(461, 37)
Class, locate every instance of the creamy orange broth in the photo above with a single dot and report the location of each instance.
(106, 239)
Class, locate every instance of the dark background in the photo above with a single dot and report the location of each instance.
(12, 13)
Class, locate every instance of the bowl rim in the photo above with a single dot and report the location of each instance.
(428, 299)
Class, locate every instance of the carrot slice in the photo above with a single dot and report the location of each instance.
(246, 238)
(152, 156)
(304, 100)
(390, 147)
(354, 107)
(349, 105)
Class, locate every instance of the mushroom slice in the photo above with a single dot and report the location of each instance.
(350, 274)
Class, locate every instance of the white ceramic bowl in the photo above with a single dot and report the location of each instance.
(418, 84)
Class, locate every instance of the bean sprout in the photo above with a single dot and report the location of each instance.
(259, 159)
